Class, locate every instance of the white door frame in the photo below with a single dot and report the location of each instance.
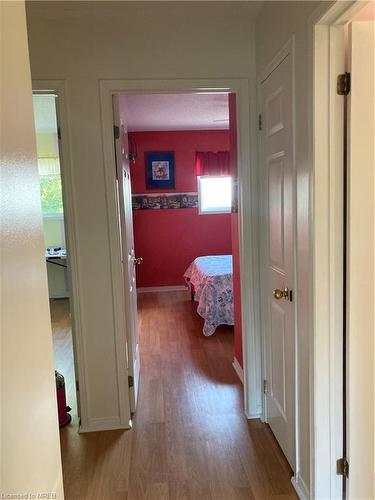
(248, 199)
(58, 87)
(326, 116)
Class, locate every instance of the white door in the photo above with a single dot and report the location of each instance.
(278, 259)
(360, 261)
(128, 257)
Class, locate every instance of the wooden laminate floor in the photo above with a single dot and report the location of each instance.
(190, 439)
(63, 350)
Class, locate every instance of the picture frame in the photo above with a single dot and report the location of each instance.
(160, 173)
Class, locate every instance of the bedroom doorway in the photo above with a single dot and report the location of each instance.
(247, 227)
(176, 184)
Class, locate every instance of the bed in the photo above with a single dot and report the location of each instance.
(210, 279)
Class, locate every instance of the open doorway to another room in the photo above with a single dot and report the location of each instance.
(52, 201)
(182, 167)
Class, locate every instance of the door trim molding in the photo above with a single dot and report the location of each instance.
(238, 369)
(248, 198)
(288, 49)
(70, 220)
(300, 487)
(326, 56)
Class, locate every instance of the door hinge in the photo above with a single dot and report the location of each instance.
(130, 381)
(59, 133)
(77, 386)
(343, 84)
(265, 386)
(116, 132)
(342, 467)
(259, 122)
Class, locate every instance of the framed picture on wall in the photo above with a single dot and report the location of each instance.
(159, 169)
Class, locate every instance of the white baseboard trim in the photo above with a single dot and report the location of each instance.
(253, 416)
(177, 288)
(258, 413)
(300, 487)
(103, 424)
(238, 369)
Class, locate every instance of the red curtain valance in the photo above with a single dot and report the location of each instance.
(209, 163)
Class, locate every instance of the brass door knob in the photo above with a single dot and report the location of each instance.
(138, 260)
(279, 294)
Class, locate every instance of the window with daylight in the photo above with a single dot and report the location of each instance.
(50, 186)
(214, 194)
(47, 142)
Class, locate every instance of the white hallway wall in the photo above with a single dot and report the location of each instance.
(84, 42)
(30, 447)
(276, 23)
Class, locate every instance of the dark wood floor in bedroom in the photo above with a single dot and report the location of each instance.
(190, 438)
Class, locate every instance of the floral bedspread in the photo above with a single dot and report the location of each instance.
(212, 278)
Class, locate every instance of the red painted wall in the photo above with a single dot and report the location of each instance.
(170, 239)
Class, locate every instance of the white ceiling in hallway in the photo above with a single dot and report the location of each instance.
(152, 112)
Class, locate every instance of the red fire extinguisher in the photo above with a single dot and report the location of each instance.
(62, 408)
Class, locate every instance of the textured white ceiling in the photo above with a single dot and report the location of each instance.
(150, 112)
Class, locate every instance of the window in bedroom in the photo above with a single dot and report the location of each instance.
(214, 194)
